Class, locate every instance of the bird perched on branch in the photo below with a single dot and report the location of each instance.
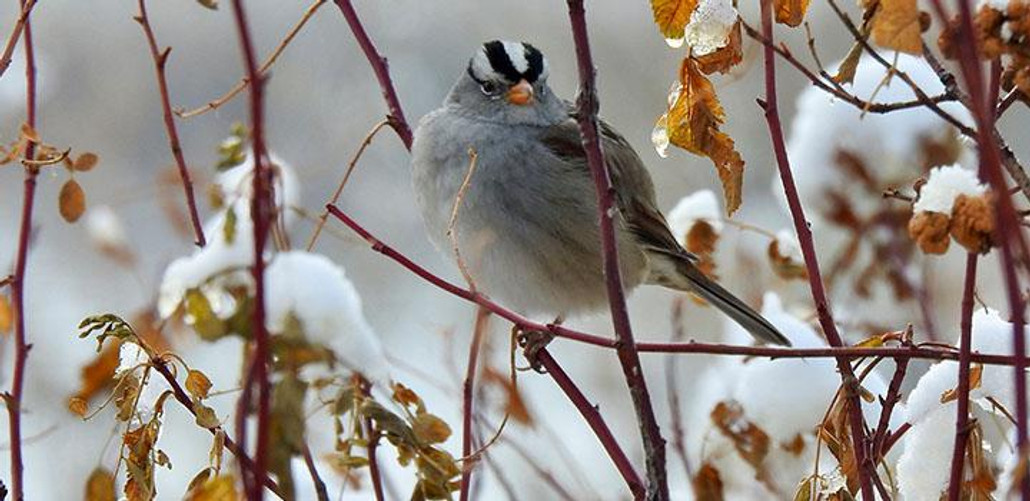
(502, 181)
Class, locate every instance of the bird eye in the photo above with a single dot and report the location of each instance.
(489, 88)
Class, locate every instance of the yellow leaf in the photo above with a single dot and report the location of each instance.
(6, 315)
(206, 417)
(975, 379)
(430, 429)
(791, 12)
(197, 384)
(85, 162)
(72, 201)
(78, 406)
(896, 26)
(848, 67)
(672, 16)
(693, 124)
(726, 57)
(100, 486)
(220, 488)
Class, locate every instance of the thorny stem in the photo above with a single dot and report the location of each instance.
(965, 347)
(160, 59)
(21, 347)
(896, 353)
(772, 116)
(12, 40)
(265, 66)
(1007, 232)
(593, 418)
(467, 408)
(260, 213)
(587, 107)
(382, 72)
(893, 396)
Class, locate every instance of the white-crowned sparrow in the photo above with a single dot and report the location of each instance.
(527, 230)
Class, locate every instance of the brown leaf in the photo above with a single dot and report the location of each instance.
(206, 417)
(220, 488)
(78, 406)
(72, 201)
(972, 223)
(784, 265)
(750, 441)
(791, 12)
(98, 375)
(514, 405)
(848, 67)
(405, 396)
(210, 4)
(930, 231)
(796, 446)
(707, 484)
(896, 26)
(672, 16)
(693, 124)
(725, 58)
(6, 315)
(197, 384)
(85, 162)
(975, 379)
(27, 132)
(430, 429)
(100, 486)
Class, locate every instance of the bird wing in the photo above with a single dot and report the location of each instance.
(634, 190)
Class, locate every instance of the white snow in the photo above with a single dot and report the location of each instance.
(944, 185)
(924, 466)
(710, 25)
(788, 245)
(701, 205)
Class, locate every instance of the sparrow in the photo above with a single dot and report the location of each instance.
(527, 228)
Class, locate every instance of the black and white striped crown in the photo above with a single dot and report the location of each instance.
(502, 60)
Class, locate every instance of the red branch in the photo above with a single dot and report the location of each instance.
(261, 215)
(160, 58)
(382, 71)
(594, 419)
(587, 106)
(1007, 231)
(772, 116)
(21, 347)
(896, 353)
(467, 408)
(965, 347)
(12, 40)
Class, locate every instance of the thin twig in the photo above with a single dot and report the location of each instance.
(343, 182)
(265, 66)
(962, 426)
(160, 58)
(261, 215)
(804, 234)
(1007, 101)
(671, 378)
(897, 353)
(21, 346)
(544, 473)
(893, 396)
(587, 107)
(320, 489)
(452, 224)
(12, 40)
(382, 71)
(467, 408)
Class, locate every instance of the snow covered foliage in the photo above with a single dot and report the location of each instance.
(702, 205)
(710, 26)
(952, 203)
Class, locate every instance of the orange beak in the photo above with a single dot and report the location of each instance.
(520, 93)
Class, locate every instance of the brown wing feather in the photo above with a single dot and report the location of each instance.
(634, 191)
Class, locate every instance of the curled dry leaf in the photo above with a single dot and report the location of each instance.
(672, 16)
(896, 25)
(750, 441)
(72, 201)
(707, 484)
(930, 231)
(693, 124)
(206, 417)
(849, 66)
(197, 384)
(100, 486)
(725, 58)
(972, 221)
(976, 373)
(783, 265)
(78, 406)
(791, 12)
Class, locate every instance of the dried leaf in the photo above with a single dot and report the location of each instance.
(206, 417)
(930, 231)
(78, 406)
(972, 223)
(217, 449)
(896, 26)
(693, 124)
(202, 316)
(72, 201)
(784, 265)
(514, 406)
(750, 441)
(791, 12)
(98, 375)
(229, 226)
(6, 315)
(405, 396)
(220, 488)
(210, 4)
(100, 486)
(430, 429)
(796, 446)
(672, 16)
(85, 162)
(707, 484)
(725, 58)
(848, 67)
(975, 379)
(27, 132)
(197, 384)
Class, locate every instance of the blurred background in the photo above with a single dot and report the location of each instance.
(98, 93)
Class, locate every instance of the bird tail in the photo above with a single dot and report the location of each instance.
(680, 273)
